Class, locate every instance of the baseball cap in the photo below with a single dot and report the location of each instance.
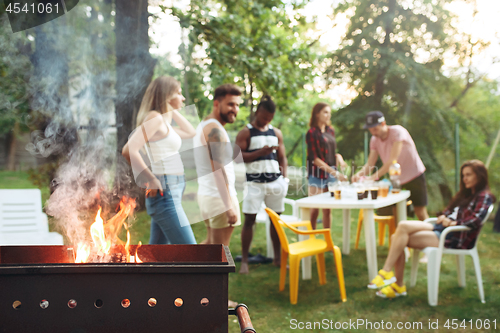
(374, 118)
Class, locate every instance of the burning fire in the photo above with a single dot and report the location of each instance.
(105, 234)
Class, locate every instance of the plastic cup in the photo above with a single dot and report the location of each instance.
(383, 190)
(331, 188)
(361, 194)
(374, 192)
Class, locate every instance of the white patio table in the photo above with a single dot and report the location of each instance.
(324, 200)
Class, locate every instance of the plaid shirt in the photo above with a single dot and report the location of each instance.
(317, 147)
(470, 216)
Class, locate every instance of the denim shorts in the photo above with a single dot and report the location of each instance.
(169, 223)
(438, 233)
(321, 183)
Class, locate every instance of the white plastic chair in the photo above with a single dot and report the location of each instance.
(22, 221)
(435, 254)
(262, 217)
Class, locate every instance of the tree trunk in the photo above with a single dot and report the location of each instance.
(250, 103)
(11, 159)
(379, 81)
(134, 70)
(134, 64)
(51, 95)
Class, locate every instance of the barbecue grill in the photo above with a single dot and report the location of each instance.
(177, 288)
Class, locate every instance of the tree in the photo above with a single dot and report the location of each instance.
(15, 70)
(392, 56)
(134, 64)
(256, 44)
(134, 70)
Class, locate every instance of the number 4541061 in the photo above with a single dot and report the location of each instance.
(40, 8)
(472, 324)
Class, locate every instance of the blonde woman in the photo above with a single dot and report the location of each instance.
(165, 183)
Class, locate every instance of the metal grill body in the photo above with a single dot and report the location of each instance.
(192, 273)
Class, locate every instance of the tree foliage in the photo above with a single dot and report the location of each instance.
(392, 55)
(15, 71)
(255, 44)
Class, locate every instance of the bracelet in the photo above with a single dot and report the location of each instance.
(286, 179)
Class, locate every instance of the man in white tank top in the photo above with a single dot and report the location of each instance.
(216, 191)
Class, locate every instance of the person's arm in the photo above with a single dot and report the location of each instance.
(324, 166)
(395, 152)
(125, 153)
(242, 141)
(130, 151)
(185, 129)
(282, 160)
(366, 169)
(340, 161)
(483, 202)
(216, 149)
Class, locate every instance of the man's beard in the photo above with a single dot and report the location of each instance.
(224, 116)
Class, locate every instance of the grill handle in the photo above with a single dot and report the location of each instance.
(241, 311)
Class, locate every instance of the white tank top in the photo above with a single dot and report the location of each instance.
(164, 154)
(206, 179)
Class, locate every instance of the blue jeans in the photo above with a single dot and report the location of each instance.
(169, 223)
(321, 183)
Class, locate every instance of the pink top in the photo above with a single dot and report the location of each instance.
(411, 164)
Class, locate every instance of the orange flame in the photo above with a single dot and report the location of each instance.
(137, 259)
(82, 253)
(105, 234)
(98, 236)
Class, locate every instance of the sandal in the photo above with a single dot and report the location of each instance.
(392, 291)
(382, 279)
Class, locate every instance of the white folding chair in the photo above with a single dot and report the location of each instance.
(435, 254)
(22, 221)
(262, 217)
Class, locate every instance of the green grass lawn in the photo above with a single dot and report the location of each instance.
(271, 311)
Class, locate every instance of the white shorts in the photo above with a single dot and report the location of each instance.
(213, 211)
(272, 194)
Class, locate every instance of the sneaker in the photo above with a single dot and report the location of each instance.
(259, 259)
(382, 279)
(238, 257)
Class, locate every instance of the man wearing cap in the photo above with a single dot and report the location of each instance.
(394, 143)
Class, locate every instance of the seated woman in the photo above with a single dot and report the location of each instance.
(468, 208)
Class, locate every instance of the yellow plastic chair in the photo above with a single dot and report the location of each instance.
(382, 222)
(298, 250)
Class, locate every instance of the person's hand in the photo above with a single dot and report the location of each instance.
(153, 187)
(232, 218)
(355, 178)
(266, 150)
(449, 222)
(341, 161)
(340, 176)
(440, 219)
